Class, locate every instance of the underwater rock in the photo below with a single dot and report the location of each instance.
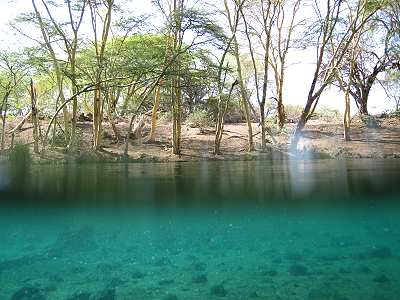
(320, 294)
(254, 295)
(381, 252)
(364, 269)
(170, 297)
(81, 240)
(199, 266)
(338, 297)
(199, 278)
(381, 279)
(56, 278)
(115, 282)
(277, 260)
(28, 293)
(166, 282)
(107, 294)
(294, 256)
(138, 275)
(191, 257)
(344, 271)
(161, 262)
(379, 298)
(298, 270)
(271, 273)
(80, 296)
(106, 267)
(19, 262)
(218, 290)
(329, 257)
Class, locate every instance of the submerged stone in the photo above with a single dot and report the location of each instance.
(166, 282)
(199, 266)
(320, 294)
(271, 273)
(298, 270)
(138, 275)
(294, 256)
(80, 296)
(365, 269)
(381, 279)
(381, 252)
(254, 295)
(28, 293)
(199, 278)
(107, 294)
(218, 290)
(81, 240)
(170, 297)
(161, 262)
(115, 282)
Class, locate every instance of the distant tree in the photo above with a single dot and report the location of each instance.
(12, 75)
(328, 59)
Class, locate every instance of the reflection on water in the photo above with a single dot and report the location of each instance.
(309, 230)
(202, 183)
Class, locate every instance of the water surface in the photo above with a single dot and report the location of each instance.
(239, 230)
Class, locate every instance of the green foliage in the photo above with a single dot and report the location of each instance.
(200, 119)
(370, 121)
(327, 114)
(165, 117)
(293, 112)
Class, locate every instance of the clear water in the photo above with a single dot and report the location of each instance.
(239, 230)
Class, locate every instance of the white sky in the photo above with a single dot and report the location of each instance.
(298, 79)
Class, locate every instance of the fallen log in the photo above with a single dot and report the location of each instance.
(20, 124)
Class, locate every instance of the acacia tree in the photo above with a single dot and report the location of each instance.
(327, 62)
(233, 16)
(281, 44)
(186, 29)
(12, 74)
(48, 37)
(75, 10)
(100, 45)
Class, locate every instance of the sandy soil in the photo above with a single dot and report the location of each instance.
(321, 139)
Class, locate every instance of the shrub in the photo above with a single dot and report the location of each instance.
(327, 114)
(370, 121)
(199, 119)
(293, 112)
(165, 117)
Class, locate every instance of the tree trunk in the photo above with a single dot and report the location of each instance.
(245, 100)
(263, 129)
(346, 118)
(33, 95)
(74, 106)
(281, 108)
(154, 113)
(219, 126)
(3, 113)
(363, 103)
(97, 119)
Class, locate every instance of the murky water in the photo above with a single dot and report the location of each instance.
(218, 230)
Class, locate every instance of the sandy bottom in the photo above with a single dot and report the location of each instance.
(309, 254)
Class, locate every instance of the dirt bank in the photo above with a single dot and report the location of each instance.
(321, 139)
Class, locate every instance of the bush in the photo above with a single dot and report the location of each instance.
(199, 119)
(293, 112)
(327, 114)
(370, 121)
(165, 117)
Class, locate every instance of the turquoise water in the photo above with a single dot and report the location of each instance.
(240, 230)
